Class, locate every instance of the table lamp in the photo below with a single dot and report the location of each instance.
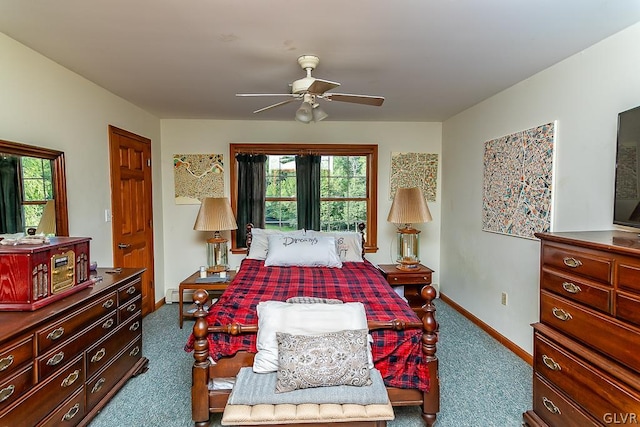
(215, 215)
(409, 206)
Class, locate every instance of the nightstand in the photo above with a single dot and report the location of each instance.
(413, 282)
(191, 283)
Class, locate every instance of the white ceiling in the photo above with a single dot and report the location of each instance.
(430, 59)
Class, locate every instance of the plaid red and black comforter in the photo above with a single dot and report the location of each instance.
(396, 354)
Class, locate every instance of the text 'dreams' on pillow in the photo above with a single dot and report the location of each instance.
(330, 359)
(259, 243)
(302, 251)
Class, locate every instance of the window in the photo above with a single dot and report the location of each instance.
(348, 186)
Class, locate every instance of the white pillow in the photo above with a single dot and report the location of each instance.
(259, 242)
(301, 319)
(302, 251)
(348, 244)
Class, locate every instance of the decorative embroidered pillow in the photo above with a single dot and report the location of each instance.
(260, 243)
(348, 244)
(330, 359)
(301, 319)
(302, 251)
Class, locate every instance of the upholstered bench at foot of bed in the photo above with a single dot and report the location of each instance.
(308, 414)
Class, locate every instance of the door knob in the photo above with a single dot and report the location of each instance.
(123, 246)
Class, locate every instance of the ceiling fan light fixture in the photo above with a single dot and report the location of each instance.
(318, 113)
(304, 114)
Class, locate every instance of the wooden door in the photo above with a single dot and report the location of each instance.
(131, 206)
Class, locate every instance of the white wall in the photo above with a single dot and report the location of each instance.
(185, 248)
(584, 94)
(47, 105)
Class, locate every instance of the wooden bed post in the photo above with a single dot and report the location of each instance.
(200, 371)
(430, 406)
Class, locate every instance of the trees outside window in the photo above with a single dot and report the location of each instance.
(37, 188)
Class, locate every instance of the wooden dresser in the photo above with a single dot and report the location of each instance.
(60, 364)
(587, 343)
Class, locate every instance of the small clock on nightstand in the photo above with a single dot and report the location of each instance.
(413, 281)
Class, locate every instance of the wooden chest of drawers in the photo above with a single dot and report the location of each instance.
(586, 358)
(61, 364)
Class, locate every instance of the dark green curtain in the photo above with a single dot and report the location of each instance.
(252, 180)
(308, 191)
(10, 196)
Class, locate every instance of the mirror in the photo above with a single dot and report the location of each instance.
(58, 180)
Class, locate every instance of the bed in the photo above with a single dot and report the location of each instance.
(224, 338)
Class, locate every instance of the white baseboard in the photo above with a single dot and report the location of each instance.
(172, 296)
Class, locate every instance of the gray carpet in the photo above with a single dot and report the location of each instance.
(482, 383)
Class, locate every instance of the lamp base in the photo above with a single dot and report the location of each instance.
(406, 265)
(217, 268)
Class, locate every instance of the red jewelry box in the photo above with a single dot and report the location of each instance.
(34, 275)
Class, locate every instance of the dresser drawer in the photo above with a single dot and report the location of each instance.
(48, 396)
(129, 291)
(577, 262)
(574, 375)
(629, 275)
(556, 410)
(592, 328)
(14, 355)
(130, 308)
(101, 353)
(14, 387)
(405, 278)
(103, 382)
(628, 308)
(578, 289)
(58, 356)
(68, 414)
(59, 331)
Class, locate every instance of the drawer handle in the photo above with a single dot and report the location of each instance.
(108, 303)
(5, 362)
(395, 278)
(561, 314)
(131, 308)
(71, 378)
(99, 355)
(131, 290)
(572, 262)
(57, 358)
(550, 363)
(107, 324)
(134, 327)
(6, 392)
(98, 385)
(550, 406)
(71, 413)
(134, 351)
(56, 334)
(572, 288)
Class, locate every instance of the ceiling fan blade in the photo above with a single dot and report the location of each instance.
(357, 99)
(274, 105)
(267, 94)
(319, 86)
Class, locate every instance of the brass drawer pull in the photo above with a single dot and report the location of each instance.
(131, 308)
(99, 355)
(550, 363)
(5, 362)
(107, 324)
(395, 278)
(550, 406)
(56, 334)
(572, 288)
(131, 290)
(572, 262)
(6, 392)
(98, 385)
(134, 327)
(57, 358)
(108, 303)
(71, 413)
(134, 351)
(561, 314)
(71, 378)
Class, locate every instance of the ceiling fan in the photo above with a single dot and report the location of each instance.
(310, 90)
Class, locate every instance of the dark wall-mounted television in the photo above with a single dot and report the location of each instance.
(626, 206)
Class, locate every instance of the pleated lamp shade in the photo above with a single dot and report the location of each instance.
(409, 207)
(47, 225)
(215, 214)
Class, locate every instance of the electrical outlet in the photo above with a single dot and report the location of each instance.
(504, 298)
